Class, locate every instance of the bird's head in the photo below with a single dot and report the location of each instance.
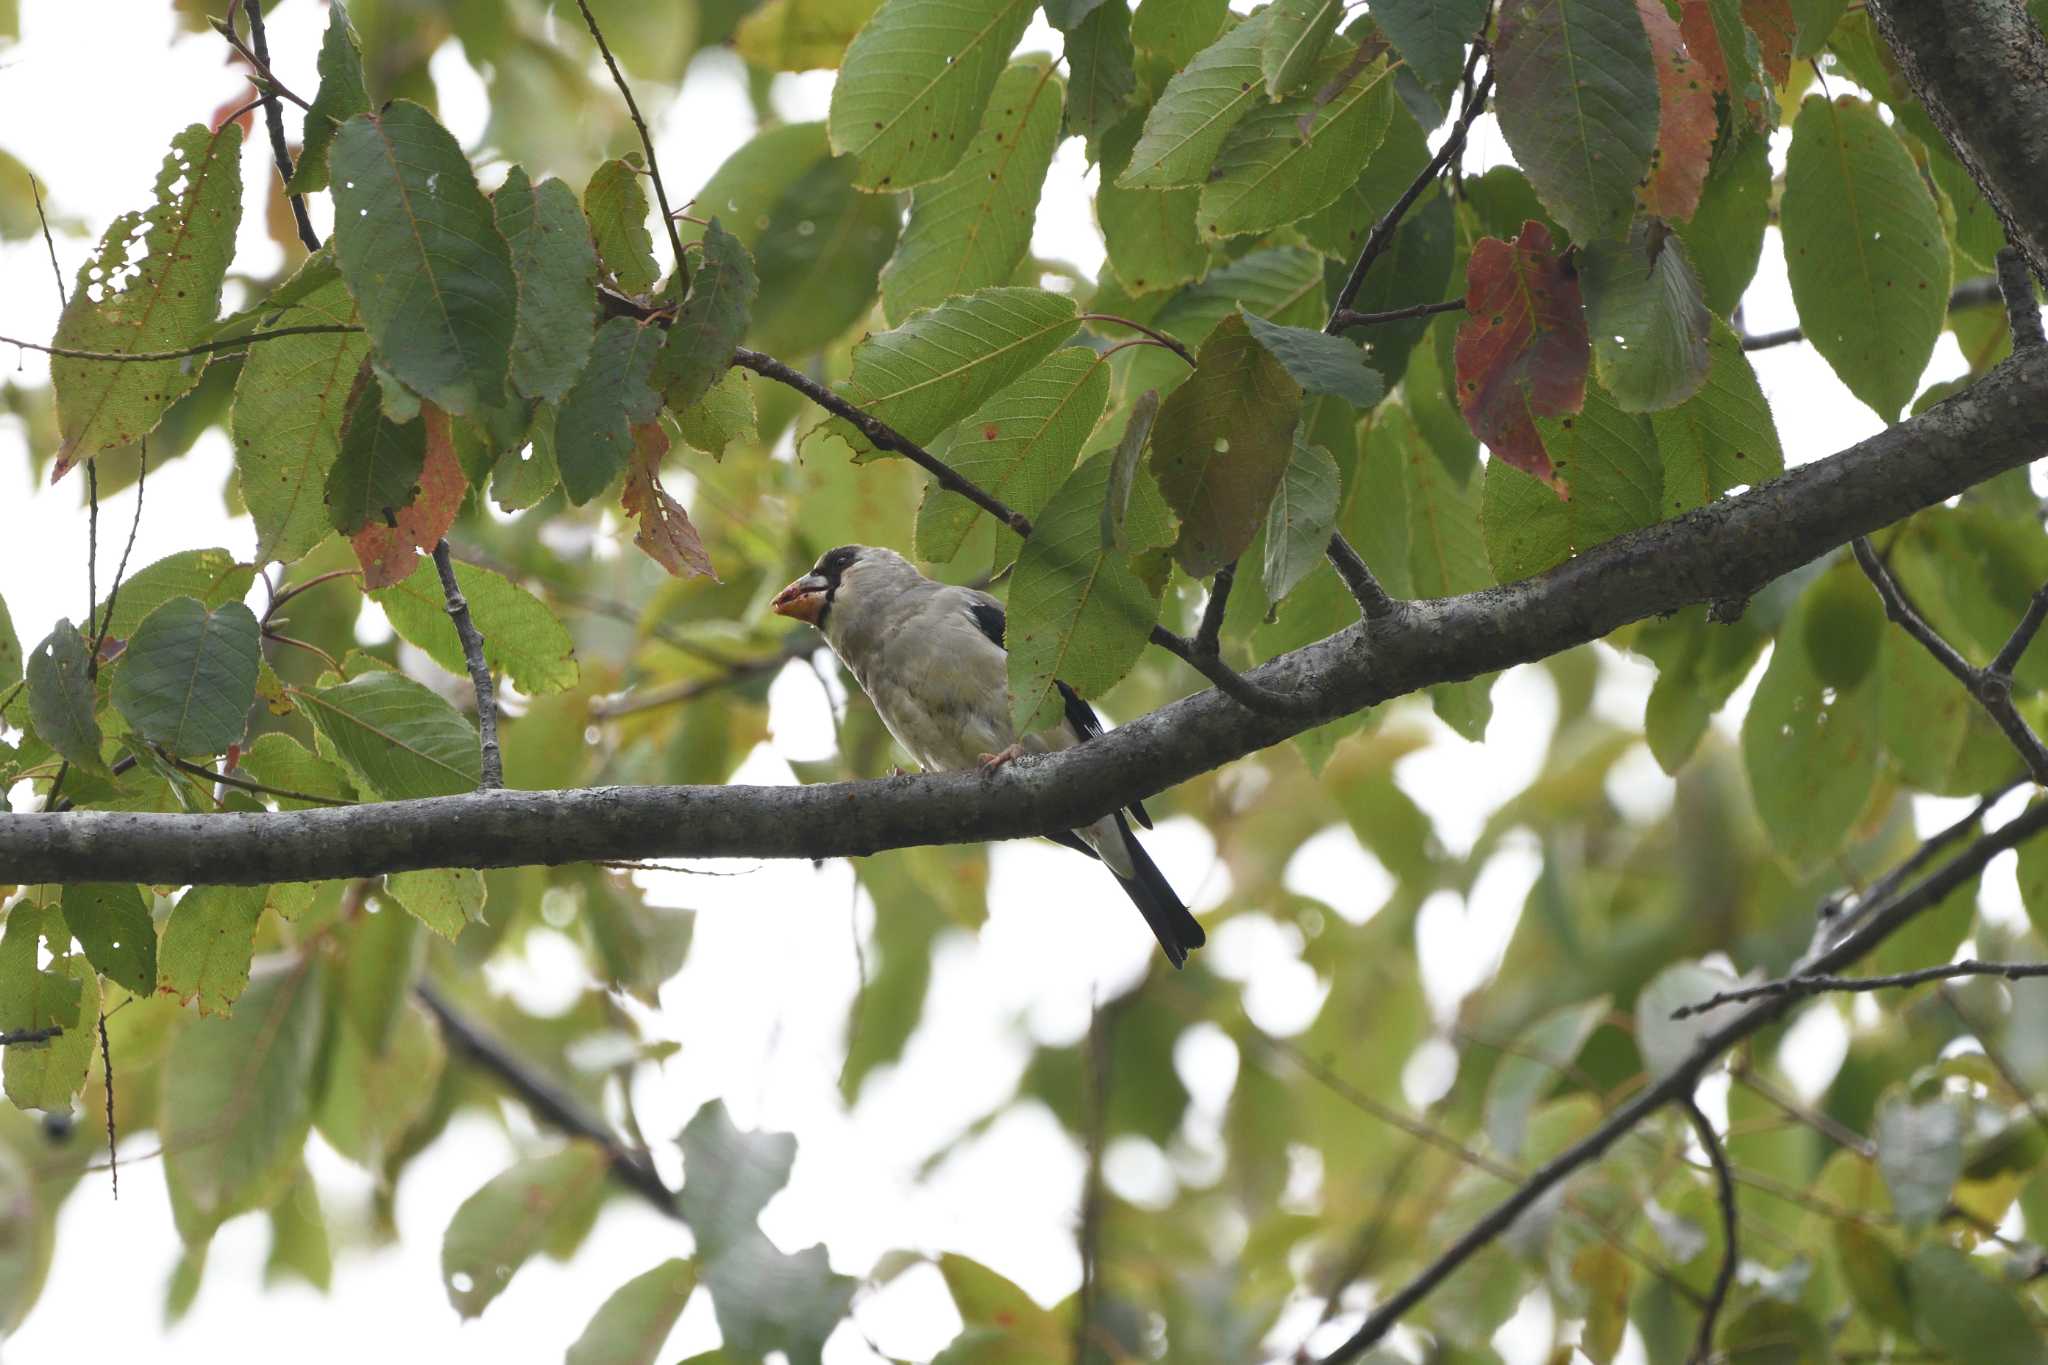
(843, 578)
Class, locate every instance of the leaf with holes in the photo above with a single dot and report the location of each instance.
(631, 1325)
(423, 258)
(1019, 446)
(709, 325)
(397, 738)
(1578, 104)
(188, 676)
(1648, 321)
(208, 943)
(513, 1216)
(1303, 514)
(342, 95)
(1222, 444)
(1319, 362)
(971, 228)
(614, 394)
(1865, 250)
(1722, 437)
(163, 299)
(111, 922)
(1186, 127)
(915, 79)
(60, 697)
(1077, 612)
(666, 532)
(616, 204)
(238, 1095)
(522, 638)
(1607, 456)
(1522, 350)
(1284, 161)
(924, 376)
(1685, 119)
(557, 272)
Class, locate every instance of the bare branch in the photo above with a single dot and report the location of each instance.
(1212, 611)
(2022, 310)
(203, 348)
(668, 217)
(1347, 317)
(273, 117)
(1170, 342)
(493, 774)
(48, 244)
(1228, 680)
(254, 788)
(1724, 1193)
(1373, 600)
(30, 1035)
(1796, 986)
(121, 569)
(795, 645)
(1978, 293)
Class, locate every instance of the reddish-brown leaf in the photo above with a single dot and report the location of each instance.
(1696, 25)
(386, 552)
(665, 530)
(1774, 26)
(1685, 125)
(1522, 350)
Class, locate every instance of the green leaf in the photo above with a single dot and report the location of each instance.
(1965, 1315)
(924, 376)
(556, 267)
(1648, 322)
(1303, 514)
(397, 738)
(1725, 235)
(1431, 35)
(617, 206)
(10, 648)
(1864, 247)
(1446, 553)
(725, 415)
(639, 946)
(290, 400)
(423, 258)
(709, 325)
(376, 1091)
(1221, 446)
(800, 35)
(1811, 752)
(527, 474)
(1284, 161)
(915, 79)
(445, 899)
(188, 677)
(1543, 1054)
(593, 428)
(162, 300)
(1099, 65)
(972, 228)
(208, 942)
(1920, 1154)
(820, 258)
(1416, 269)
(212, 576)
(1295, 38)
(277, 760)
(238, 1098)
(1699, 666)
(1578, 104)
(1149, 235)
(298, 1237)
(1186, 128)
(1816, 20)
(522, 638)
(342, 95)
(1019, 445)
(1666, 1042)
(45, 1075)
(1319, 362)
(1123, 471)
(516, 1214)
(112, 924)
(765, 1301)
(377, 470)
(631, 1326)
(1607, 456)
(60, 698)
(1722, 437)
(1077, 612)
(1939, 738)
(1172, 32)
(1006, 1318)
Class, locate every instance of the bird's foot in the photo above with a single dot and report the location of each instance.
(991, 762)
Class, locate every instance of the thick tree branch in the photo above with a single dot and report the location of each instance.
(1981, 68)
(1724, 551)
(2022, 309)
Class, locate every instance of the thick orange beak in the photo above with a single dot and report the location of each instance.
(803, 600)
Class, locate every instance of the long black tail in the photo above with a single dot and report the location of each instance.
(1178, 932)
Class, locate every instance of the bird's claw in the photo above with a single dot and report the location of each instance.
(991, 762)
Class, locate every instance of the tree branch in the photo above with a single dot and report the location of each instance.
(493, 773)
(203, 348)
(668, 217)
(1170, 342)
(1991, 687)
(273, 117)
(31, 1035)
(1347, 317)
(1799, 986)
(1726, 550)
(1977, 293)
(2022, 309)
(797, 644)
(1724, 1195)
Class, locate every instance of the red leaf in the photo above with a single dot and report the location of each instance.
(386, 552)
(1522, 350)
(1774, 26)
(1685, 126)
(665, 530)
(1696, 23)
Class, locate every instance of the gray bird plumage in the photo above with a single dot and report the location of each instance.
(930, 657)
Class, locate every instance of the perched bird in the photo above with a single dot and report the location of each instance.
(931, 658)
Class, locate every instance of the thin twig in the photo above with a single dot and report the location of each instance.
(668, 221)
(1228, 680)
(1206, 635)
(1096, 1086)
(795, 646)
(1350, 317)
(1171, 343)
(92, 559)
(1977, 293)
(291, 590)
(1992, 688)
(273, 116)
(121, 569)
(1373, 600)
(31, 1035)
(1724, 1182)
(493, 774)
(254, 788)
(2022, 312)
(264, 79)
(1816, 985)
(107, 1069)
(48, 243)
(203, 348)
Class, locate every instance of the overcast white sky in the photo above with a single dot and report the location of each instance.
(761, 1005)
